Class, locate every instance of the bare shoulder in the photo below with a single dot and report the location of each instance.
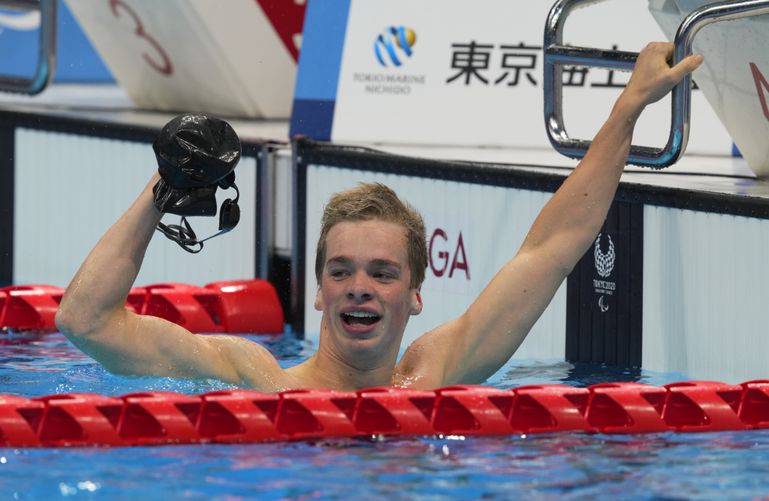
(253, 364)
(425, 363)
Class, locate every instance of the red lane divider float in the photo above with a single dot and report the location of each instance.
(155, 418)
(243, 306)
(29, 307)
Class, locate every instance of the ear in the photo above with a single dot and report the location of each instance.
(416, 304)
(318, 301)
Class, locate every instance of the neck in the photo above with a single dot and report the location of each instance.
(335, 368)
(325, 372)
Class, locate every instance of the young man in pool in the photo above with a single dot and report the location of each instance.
(371, 263)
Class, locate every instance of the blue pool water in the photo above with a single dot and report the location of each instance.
(553, 466)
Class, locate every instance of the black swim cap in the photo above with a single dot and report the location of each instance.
(196, 150)
(196, 153)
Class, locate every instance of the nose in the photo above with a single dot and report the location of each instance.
(360, 289)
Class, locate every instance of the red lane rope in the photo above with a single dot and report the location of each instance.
(237, 306)
(155, 418)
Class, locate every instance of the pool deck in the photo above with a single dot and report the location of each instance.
(109, 105)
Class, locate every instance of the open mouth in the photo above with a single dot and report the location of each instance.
(360, 318)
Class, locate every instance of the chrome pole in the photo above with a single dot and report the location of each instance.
(556, 55)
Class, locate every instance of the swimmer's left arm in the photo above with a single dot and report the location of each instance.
(475, 345)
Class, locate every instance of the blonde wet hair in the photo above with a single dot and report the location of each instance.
(376, 201)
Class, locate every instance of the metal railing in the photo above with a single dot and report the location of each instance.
(556, 55)
(46, 59)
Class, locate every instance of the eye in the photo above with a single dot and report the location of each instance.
(338, 273)
(385, 276)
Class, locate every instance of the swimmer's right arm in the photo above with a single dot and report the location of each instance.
(93, 316)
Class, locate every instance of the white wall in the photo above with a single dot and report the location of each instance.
(69, 189)
(706, 294)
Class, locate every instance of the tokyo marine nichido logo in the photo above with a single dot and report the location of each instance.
(394, 45)
(392, 48)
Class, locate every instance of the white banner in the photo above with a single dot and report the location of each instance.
(470, 73)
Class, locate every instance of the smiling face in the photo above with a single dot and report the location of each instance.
(365, 293)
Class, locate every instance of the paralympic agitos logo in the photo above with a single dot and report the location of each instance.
(447, 255)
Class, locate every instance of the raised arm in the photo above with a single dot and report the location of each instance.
(472, 347)
(92, 313)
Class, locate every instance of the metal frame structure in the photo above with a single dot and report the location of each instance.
(556, 54)
(46, 60)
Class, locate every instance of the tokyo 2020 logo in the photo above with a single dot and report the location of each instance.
(604, 262)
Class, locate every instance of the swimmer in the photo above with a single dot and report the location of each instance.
(370, 265)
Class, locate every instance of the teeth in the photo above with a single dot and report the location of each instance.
(360, 318)
(362, 314)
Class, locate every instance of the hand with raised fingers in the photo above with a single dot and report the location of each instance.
(653, 77)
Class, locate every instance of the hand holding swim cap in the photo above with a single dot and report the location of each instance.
(196, 153)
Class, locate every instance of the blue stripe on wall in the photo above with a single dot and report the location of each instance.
(77, 60)
(325, 23)
(320, 59)
(312, 118)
